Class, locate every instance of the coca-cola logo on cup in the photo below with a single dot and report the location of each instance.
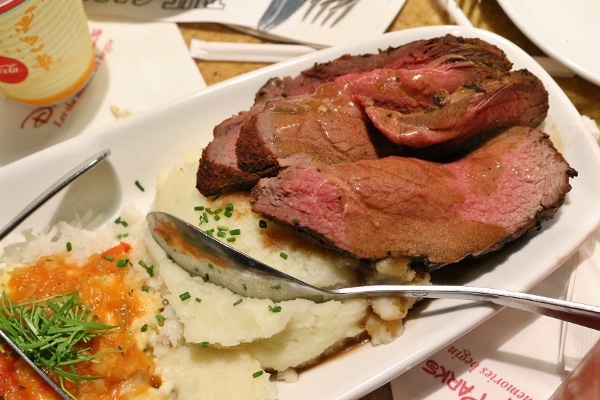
(12, 71)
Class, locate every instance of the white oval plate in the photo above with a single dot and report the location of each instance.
(143, 144)
(567, 31)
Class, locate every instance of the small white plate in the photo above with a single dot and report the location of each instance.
(567, 31)
(143, 144)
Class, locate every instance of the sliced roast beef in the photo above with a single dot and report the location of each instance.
(433, 213)
(328, 125)
(408, 78)
(218, 170)
(434, 53)
(518, 98)
(406, 90)
(288, 133)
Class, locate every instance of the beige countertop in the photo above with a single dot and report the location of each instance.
(483, 14)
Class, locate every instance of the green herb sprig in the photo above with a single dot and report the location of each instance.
(53, 332)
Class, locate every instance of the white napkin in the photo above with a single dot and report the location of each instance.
(139, 65)
(577, 341)
(584, 286)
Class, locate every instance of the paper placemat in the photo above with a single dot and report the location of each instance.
(317, 22)
(514, 355)
(139, 65)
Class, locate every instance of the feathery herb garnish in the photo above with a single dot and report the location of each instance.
(53, 332)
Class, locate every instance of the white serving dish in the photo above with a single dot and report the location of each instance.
(143, 144)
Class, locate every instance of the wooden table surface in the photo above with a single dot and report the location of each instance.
(485, 14)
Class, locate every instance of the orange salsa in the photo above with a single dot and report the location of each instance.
(105, 285)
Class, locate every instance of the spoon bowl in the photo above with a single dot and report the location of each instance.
(203, 255)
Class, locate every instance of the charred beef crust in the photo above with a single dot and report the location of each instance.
(437, 213)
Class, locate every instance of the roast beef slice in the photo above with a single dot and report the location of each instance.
(448, 49)
(517, 98)
(432, 213)
(329, 126)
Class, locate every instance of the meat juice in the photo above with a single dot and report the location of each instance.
(583, 383)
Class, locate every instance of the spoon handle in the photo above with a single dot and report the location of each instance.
(577, 313)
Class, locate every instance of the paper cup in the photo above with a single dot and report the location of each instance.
(46, 51)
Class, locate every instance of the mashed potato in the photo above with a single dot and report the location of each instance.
(213, 322)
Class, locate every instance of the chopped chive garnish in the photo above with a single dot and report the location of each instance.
(199, 208)
(204, 344)
(276, 287)
(274, 309)
(120, 221)
(160, 318)
(149, 269)
(108, 257)
(283, 255)
(144, 328)
(145, 288)
(222, 228)
(235, 232)
(221, 234)
(262, 224)
(239, 301)
(258, 373)
(123, 262)
(209, 232)
(165, 302)
(244, 286)
(217, 217)
(230, 239)
(122, 235)
(139, 186)
(69, 246)
(205, 278)
(198, 300)
(227, 213)
(185, 296)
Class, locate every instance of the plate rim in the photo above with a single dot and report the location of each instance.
(582, 69)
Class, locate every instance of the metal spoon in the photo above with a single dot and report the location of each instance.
(203, 255)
